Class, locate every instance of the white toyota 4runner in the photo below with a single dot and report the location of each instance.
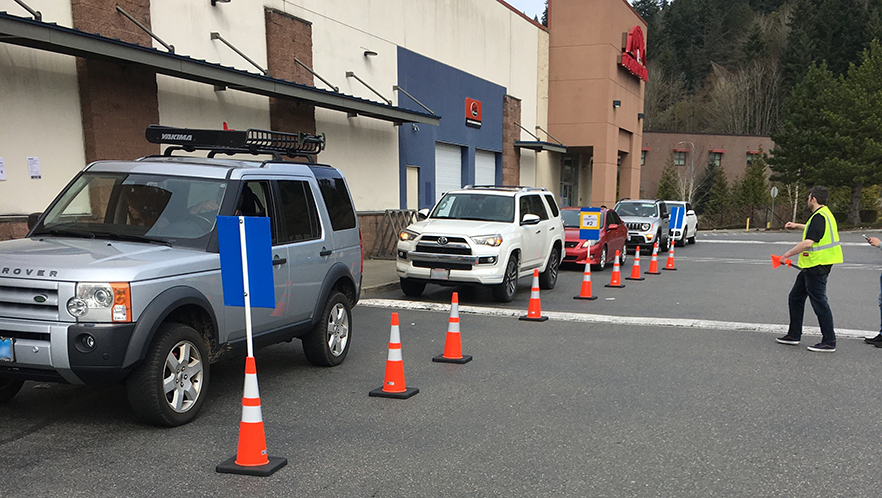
(484, 235)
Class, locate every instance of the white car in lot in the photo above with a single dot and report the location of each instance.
(690, 223)
(484, 236)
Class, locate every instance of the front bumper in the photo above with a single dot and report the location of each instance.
(641, 239)
(52, 351)
(484, 269)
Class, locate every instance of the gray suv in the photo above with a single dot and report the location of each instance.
(119, 280)
(647, 222)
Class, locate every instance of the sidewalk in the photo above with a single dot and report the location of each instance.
(379, 276)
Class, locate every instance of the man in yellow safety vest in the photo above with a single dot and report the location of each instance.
(818, 252)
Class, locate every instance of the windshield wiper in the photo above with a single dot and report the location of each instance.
(127, 237)
(66, 233)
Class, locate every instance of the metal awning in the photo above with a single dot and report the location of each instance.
(53, 38)
(540, 146)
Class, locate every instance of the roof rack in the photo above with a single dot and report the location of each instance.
(505, 187)
(250, 141)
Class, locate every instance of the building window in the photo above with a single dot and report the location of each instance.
(679, 158)
(642, 158)
(714, 159)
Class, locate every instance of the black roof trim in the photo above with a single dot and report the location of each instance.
(59, 39)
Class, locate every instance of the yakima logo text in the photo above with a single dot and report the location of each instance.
(177, 136)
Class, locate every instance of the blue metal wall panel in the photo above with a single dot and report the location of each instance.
(444, 89)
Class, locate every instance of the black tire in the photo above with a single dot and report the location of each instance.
(412, 288)
(548, 278)
(623, 256)
(505, 292)
(327, 344)
(9, 388)
(681, 242)
(663, 243)
(692, 239)
(604, 254)
(148, 396)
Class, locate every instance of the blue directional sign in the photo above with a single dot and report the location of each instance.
(589, 223)
(259, 255)
(677, 215)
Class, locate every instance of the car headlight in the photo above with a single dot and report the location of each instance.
(488, 240)
(644, 227)
(590, 243)
(407, 235)
(101, 302)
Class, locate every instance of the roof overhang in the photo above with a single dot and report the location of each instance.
(540, 146)
(58, 39)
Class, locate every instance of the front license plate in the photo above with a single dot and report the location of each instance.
(6, 349)
(439, 274)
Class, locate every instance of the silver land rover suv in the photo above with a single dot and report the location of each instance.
(119, 280)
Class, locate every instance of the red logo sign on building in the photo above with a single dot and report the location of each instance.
(634, 54)
(473, 112)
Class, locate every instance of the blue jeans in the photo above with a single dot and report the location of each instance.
(813, 286)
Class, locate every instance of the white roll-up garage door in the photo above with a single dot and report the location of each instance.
(448, 169)
(485, 168)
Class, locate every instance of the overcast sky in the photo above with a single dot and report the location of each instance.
(533, 8)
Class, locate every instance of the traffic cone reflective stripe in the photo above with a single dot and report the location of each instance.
(251, 456)
(653, 263)
(635, 269)
(585, 292)
(616, 279)
(534, 311)
(670, 263)
(393, 383)
(453, 344)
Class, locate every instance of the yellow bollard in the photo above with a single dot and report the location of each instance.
(747, 228)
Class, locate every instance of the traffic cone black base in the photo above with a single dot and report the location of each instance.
(532, 319)
(230, 467)
(592, 298)
(620, 286)
(441, 359)
(652, 273)
(669, 269)
(632, 278)
(408, 392)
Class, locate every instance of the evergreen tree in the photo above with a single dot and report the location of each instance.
(669, 183)
(719, 200)
(753, 192)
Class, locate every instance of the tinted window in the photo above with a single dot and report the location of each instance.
(336, 197)
(299, 215)
(254, 200)
(532, 204)
(552, 205)
(475, 206)
(570, 217)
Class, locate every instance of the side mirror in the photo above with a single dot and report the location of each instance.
(612, 227)
(530, 219)
(33, 218)
(691, 212)
(423, 214)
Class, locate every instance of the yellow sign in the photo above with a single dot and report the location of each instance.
(589, 220)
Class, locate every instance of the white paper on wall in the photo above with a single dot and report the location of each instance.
(2, 170)
(34, 168)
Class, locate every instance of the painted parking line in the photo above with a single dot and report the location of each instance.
(774, 242)
(609, 319)
(766, 262)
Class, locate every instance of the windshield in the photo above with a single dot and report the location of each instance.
(478, 207)
(570, 218)
(174, 211)
(639, 209)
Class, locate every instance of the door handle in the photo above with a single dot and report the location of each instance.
(279, 261)
(550, 229)
(325, 252)
(539, 231)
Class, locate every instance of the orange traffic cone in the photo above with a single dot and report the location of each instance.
(670, 263)
(452, 345)
(585, 293)
(616, 280)
(534, 311)
(653, 263)
(393, 384)
(635, 270)
(251, 457)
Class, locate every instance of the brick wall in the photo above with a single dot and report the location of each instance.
(511, 133)
(288, 37)
(117, 102)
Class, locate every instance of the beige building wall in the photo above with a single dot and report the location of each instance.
(659, 148)
(584, 79)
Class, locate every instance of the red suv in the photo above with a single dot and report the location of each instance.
(613, 236)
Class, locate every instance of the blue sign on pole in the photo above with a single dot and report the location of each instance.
(677, 213)
(589, 223)
(259, 254)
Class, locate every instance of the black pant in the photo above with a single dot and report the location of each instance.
(811, 283)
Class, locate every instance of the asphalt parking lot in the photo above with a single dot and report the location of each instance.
(573, 406)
